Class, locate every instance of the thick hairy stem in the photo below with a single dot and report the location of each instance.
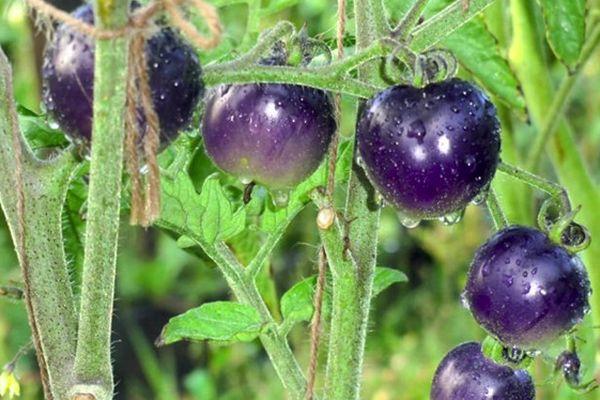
(526, 56)
(353, 282)
(93, 371)
(47, 288)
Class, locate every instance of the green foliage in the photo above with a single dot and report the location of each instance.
(565, 28)
(208, 216)
(258, 248)
(477, 50)
(220, 321)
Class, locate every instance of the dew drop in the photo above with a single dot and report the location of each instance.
(360, 162)
(245, 180)
(464, 301)
(480, 197)
(452, 218)
(280, 198)
(53, 125)
(408, 222)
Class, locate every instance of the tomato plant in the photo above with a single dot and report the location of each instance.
(401, 115)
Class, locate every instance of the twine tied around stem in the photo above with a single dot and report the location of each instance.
(145, 202)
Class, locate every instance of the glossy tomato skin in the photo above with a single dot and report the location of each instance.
(273, 134)
(466, 374)
(429, 151)
(174, 73)
(525, 290)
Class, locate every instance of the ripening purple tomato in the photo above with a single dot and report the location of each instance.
(466, 374)
(68, 79)
(524, 289)
(429, 151)
(273, 134)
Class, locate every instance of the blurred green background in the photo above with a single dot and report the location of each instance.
(412, 325)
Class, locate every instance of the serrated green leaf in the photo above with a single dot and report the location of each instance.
(477, 51)
(385, 277)
(222, 321)
(565, 28)
(208, 215)
(218, 219)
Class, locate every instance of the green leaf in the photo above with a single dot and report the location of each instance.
(477, 51)
(217, 216)
(38, 133)
(222, 321)
(385, 277)
(297, 302)
(208, 216)
(565, 28)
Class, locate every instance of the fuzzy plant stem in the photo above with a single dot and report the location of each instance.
(37, 234)
(409, 20)
(526, 56)
(353, 281)
(93, 368)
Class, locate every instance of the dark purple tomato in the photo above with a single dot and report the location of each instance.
(429, 151)
(273, 134)
(524, 289)
(68, 76)
(466, 374)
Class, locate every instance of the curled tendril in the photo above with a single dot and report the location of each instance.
(440, 65)
(548, 214)
(400, 55)
(421, 69)
(561, 227)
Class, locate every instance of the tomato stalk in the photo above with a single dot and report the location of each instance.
(93, 367)
(47, 288)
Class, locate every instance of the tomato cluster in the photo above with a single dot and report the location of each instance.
(428, 151)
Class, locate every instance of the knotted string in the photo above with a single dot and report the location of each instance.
(145, 202)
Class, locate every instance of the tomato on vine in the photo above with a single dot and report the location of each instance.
(275, 135)
(429, 151)
(466, 373)
(526, 290)
(175, 78)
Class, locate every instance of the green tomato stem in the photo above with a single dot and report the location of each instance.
(254, 267)
(272, 339)
(555, 190)
(353, 282)
(435, 29)
(495, 209)
(410, 19)
(556, 111)
(93, 367)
